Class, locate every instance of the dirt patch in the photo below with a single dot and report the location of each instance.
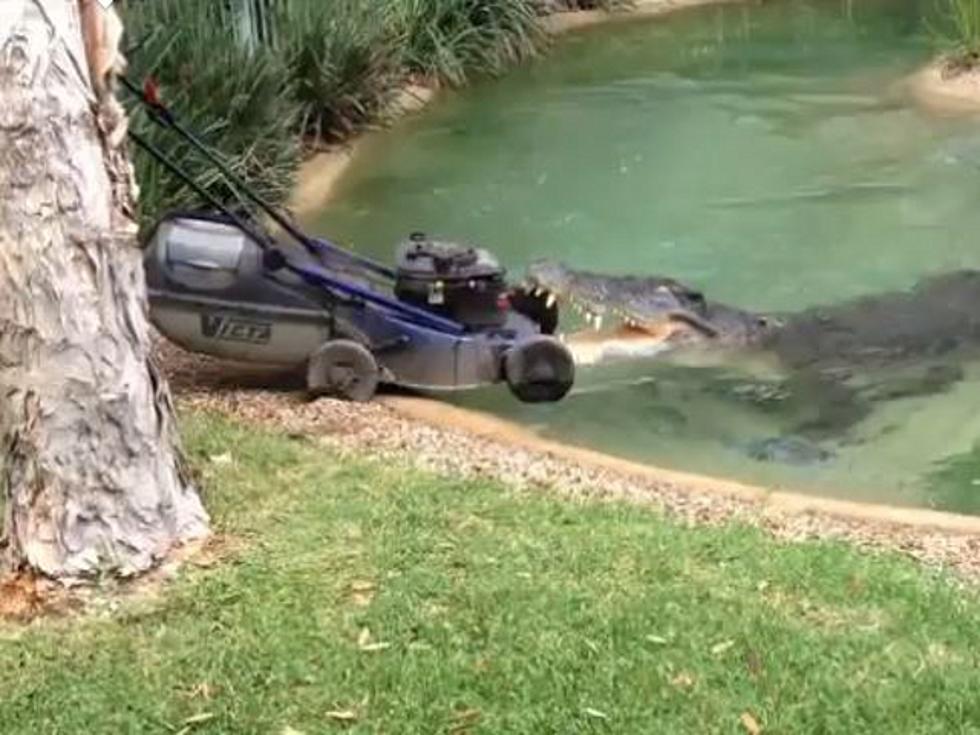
(25, 597)
(435, 437)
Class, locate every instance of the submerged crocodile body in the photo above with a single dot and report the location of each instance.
(842, 357)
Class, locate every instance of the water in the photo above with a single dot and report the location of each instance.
(765, 154)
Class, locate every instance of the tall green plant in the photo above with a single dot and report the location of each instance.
(343, 65)
(239, 100)
(958, 30)
(451, 40)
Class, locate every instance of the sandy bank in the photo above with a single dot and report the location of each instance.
(941, 91)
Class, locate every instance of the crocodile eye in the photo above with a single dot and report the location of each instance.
(768, 322)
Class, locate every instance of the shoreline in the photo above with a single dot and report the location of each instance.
(768, 499)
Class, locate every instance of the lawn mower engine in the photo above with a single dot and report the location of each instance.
(461, 283)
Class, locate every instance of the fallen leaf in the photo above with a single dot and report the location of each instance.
(221, 458)
(720, 648)
(362, 592)
(463, 720)
(287, 730)
(364, 637)
(751, 725)
(344, 715)
(198, 719)
(595, 713)
(368, 647)
(658, 640)
(683, 680)
(191, 722)
(202, 690)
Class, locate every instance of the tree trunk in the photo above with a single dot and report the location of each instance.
(90, 465)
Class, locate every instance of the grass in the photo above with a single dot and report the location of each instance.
(510, 613)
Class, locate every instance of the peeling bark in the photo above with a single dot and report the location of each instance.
(90, 464)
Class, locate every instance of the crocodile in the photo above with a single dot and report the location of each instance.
(842, 357)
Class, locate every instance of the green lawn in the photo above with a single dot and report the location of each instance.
(489, 611)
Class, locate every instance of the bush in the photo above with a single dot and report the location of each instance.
(958, 29)
(238, 100)
(344, 68)
(451, 40)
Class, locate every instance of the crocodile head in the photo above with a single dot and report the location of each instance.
(648, 314)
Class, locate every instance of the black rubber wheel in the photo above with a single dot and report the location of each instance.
(540, 370)
(343, 369)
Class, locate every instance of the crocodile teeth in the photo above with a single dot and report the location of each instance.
(550, 301)
(538, 291)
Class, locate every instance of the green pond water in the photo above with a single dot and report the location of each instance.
(764, 154)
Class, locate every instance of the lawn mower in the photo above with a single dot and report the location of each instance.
(443, 318)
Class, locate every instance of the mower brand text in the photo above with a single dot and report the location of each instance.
(230, 329)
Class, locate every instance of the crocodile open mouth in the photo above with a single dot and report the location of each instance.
(653, 305)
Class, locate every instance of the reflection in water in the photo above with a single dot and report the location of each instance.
(765, 154)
